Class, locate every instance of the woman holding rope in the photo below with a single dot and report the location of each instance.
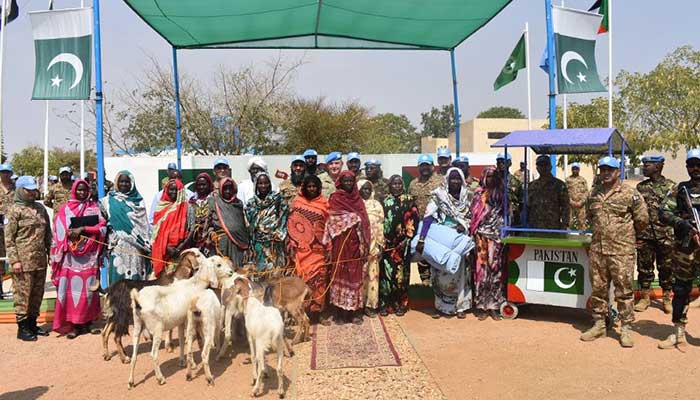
(129, 233)
(78, 233)
(228, 222)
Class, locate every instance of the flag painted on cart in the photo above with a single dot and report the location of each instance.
(515, 63)
(10, 13)
(575, 33)
(563, 278)
(63, 51)
(602, 6)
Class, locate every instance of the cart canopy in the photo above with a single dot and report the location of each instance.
(567, 141)
(318, 24)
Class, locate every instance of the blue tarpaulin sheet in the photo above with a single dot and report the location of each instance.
(567, 141)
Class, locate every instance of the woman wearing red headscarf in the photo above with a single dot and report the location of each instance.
(79, 231)
(349, 233)
(170, 233)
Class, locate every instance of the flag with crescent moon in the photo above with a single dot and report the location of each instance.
(63, 51)
(575, 34)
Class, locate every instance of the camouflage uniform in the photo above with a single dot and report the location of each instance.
(28, 240)
(288, 191)
(674, 212)
(327, 184)
(656, 242)
(548, 203)
(380, 189)
(578, 191)
(515, 198)
(520, 175)
(422, 193)
(472, 183)
(616, 217)
(57, 196)
(7, 198)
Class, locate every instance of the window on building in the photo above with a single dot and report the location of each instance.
(497, 135)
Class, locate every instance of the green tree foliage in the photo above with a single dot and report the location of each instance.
(501, 112)
(663, 105)
(391, 133)
(438, 122)
(30, 160)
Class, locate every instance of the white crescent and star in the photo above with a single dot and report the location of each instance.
(74, 62)
(557, 280)
(566, 58)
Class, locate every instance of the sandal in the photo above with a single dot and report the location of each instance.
(495, 315)
(370, 313)
(461, 315)
(481, 315)
(436, 315)
(400, 312)
(383, 312)
(357, 320)
(72, 334)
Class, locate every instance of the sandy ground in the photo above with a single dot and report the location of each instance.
(538, 355)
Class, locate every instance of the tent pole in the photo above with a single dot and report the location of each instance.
(552, 66)
(622, 162)
(98, 100)
(178, 138)
(456, 102)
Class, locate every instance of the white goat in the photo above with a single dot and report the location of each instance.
(265, 331)
(203, 319)
(161, 308)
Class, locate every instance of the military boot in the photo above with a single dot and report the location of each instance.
(668, 307)
(36, 329)
(626, 336)
(675, 339)
(644, 301)
(597, 331)
(24, 333)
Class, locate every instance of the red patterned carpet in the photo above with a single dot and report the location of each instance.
(353, 346)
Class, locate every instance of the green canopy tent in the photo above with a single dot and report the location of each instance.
(316, 24)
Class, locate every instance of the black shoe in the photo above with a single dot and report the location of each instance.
(24, 333)
(38, 331)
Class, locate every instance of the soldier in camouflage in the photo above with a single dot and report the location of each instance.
(521, 173)
(444, 160)
(334, 165)
(354, 164)
(677, 213)
(311, 158)
(654, 244)
(421, 189)
(28, 240)
(289, 188)
(578, 192)
(373, 171)
(617, 214)
(515, 187)
(547, 198)
(59, 193)
(462, 162)
(7, 197)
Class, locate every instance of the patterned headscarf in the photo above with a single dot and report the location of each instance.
(443, 204)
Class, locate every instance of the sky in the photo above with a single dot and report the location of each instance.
(401, 82)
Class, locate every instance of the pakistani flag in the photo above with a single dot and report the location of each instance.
(575, 34)
(563, 278)
(63, 50)
(515, 62)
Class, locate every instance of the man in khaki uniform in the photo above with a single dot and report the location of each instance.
(421, 189)
(462, 162)
(289, 188)
(59, 193)
(617, 214)
(547, 198)
(28, 240)
(334, 164)
(578, 192)
(7, 198)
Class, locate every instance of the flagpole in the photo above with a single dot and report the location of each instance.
(528, 159)
(98, 100)
(2, 62)
(566, 120)
(455, 95)
(610, 70)
(46, 150)
(82, 125)
(552, 66)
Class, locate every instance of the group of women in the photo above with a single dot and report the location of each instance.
(352, 250)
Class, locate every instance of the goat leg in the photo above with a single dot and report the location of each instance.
(120, 350)
(105, 340)
(154, 355)
(280, 375)
(169, 344)
(227, 335)
(135, 349)
(180, 338)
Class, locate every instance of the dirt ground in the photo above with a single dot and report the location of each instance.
(538, 355)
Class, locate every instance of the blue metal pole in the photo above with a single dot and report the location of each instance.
(99, 142)
(456, 102)
(178, 126)
(552, 69)
(622, 161)
(506, 221)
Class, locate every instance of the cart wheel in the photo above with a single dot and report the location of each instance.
(509, 310)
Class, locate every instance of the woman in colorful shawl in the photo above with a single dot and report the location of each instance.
(449, 206)
(267, 215)
(400, 222)
(198, 213)
(170, 233)
(129, 232)
(78, 233)
(227, 221)
(348, 231)
(486, 224)
(375, 212)
(306, 225)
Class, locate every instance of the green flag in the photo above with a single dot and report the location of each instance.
(515, 62)
(563, 278)
(63, 51)
(575, 33)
